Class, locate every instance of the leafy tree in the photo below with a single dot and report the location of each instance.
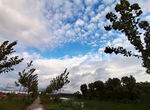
(128, 82)
(7, 62)
(84, 90)
(120, 92)
(91, 90)
(129, 22)
(112, 83)
(77, 94)
(99, 89)
(131, 85)
(28, 80)
(58, 82)
(144, 88)
(124, 90)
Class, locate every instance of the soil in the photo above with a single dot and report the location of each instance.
(36, 105)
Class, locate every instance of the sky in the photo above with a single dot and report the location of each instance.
(59, 34)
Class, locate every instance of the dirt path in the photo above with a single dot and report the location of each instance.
(36, 105)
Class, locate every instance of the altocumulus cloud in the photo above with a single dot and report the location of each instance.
(48, 24)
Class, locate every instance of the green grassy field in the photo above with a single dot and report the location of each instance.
(94, 105)
(14, 103)
(103, 105)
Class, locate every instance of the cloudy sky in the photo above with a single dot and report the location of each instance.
(59, 34)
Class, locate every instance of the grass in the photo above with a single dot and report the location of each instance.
(12, 104)
(93, 105)
(15, 103)
(105, 105)
(62, 106)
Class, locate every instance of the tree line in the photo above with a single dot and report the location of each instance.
(124, 89)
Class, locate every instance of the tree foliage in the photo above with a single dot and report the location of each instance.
(28, 80)
(84, 90)
(6, 62)
(128, 82)
(77, 94)
(126, 89)
(129, 22)
(58, 82)
(99, 88)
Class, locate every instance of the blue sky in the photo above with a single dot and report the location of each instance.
(59, 34)
(72, 28)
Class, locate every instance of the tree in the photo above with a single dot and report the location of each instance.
(112, 83)
(91, 91)
(129, 22)
(99, 89)
(130, 84)
(144, 88)
(84, 90)
(58, 82)
(6, 62)
(28, 80)
(77, 94)
(114, 89)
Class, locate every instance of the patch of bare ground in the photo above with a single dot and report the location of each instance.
(36, 105)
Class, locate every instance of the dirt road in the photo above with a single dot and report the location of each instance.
(36, 105)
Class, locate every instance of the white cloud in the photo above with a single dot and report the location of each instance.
(78, 2)
(143, 4)
(90, 2)
(83, 69)
(108, 1)
(79, 22)
(23, 21)
(122, 41)
(29, 21)
(100, 8)
(91, 26)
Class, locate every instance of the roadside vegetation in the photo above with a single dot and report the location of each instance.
(15, 102)
(114, 94)
(76, 104)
